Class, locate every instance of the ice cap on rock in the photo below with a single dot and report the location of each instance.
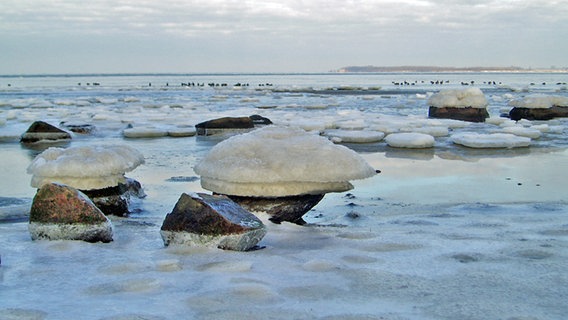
(540, 101)
(280, 161)
(458, 98)
(85, 167)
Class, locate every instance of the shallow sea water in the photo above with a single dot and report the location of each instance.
(441, 233)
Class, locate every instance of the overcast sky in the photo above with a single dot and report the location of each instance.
(113, 36)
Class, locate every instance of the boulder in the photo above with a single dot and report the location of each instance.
(222, 124)
(290, 208)
(211, 221)
(61, 212)
(459, 113)
(115, 200)
(41, 131)
(518, 113)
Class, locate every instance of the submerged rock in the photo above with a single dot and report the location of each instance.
(222, 124)
(81, 128)
(61, 212)
(225, 124)
(41, 131)
(211, 221)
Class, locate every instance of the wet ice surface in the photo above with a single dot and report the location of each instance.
(476, 261)
(443, 233)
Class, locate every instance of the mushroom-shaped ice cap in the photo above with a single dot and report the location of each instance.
(280, 161)
(458, 98)
(86, 167)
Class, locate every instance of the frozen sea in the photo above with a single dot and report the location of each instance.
(447, 232)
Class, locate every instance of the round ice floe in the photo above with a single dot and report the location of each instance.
(142, 132)
(523, 132)
(84, 168)
(458, 98)
(354, 136)
(494, 140)
(278, 161)
(410, 140)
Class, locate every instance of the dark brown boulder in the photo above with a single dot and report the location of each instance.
(115, 200)
(290, 208)
(538, 113)
(42, 131)
(464, 114)
(226, 123)
(60, 212)
(211, 221)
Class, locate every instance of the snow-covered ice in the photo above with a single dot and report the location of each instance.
(410, 140)
(492, 140)
(446, 232)
(458, 98)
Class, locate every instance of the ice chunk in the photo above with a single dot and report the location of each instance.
(278, 161)
(458, 98)
(523, 132)
(144, 132)
(84, 168)
(493, 140)
(410, 140)
(355, 136)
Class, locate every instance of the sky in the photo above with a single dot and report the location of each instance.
(185, 36)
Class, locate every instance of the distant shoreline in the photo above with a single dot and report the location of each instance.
(435, 69)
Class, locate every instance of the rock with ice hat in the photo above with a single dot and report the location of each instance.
(459, 104)
(539, 107)
(98, 171)
(277, 162)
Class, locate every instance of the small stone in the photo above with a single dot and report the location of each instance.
(60, 212)
(211, 221)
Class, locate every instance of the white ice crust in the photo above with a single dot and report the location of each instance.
(355, 136)
(458, 98)
(540, 101)
(279, 161)
(85, 167)
(493, 140)
(410, 140)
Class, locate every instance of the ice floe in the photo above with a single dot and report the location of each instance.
(411, 140)
(492, 140)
